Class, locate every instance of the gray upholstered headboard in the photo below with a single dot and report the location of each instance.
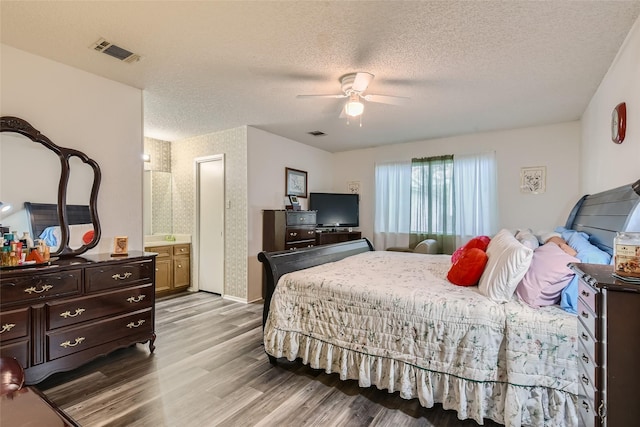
(601, 215)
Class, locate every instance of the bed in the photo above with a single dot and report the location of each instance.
(393, 320)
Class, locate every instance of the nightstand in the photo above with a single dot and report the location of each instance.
(608, 347)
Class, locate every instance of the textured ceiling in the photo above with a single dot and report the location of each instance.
(467, 66)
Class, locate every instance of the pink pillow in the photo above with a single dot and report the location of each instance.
(468, 268)
(480, 242)
(547, 276)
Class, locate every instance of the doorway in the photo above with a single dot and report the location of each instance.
(210, 208)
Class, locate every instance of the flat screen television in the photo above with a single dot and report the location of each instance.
(335, 210)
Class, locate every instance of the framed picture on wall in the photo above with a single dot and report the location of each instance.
(533, 179)
(295, 182)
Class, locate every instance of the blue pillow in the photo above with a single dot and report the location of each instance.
(586, 251)
(569, 296)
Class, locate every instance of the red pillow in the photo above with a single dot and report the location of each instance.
(88, 237)
(468, 268)
(480, 242)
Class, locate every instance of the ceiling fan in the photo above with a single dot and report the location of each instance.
(353, 86)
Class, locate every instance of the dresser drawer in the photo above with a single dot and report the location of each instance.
(64, 342)
(303, 244)
(44, 286)
(295, 234)
(587, 317)
(300, 218)
(118, 275)
(162, 251)
(70, 312)
(585, 409)
(587, 342)
(18, 349)
(181, 249)
(14, 324)
(586, 377)
(588, 295)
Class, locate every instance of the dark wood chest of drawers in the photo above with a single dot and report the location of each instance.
(58, 317)
(288, 230)
(608, 346)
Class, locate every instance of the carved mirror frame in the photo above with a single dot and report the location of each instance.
(18, 125)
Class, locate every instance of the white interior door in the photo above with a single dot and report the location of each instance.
(210, 217)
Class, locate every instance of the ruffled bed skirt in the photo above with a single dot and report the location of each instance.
(505, 403)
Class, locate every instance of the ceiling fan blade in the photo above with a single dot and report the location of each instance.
(387, 99)
(361, 81)
(341, 95)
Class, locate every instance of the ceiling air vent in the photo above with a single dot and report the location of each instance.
(116, 51)
(316, 133)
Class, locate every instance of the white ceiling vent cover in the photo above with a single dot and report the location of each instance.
(116, 51)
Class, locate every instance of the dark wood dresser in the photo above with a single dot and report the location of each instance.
(609, 347)
(57, 317)
(286, 230)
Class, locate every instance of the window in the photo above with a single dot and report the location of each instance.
(448, 198)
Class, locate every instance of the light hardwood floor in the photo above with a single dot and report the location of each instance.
(209, 369)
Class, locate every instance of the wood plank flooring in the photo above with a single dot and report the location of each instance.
(209, 369)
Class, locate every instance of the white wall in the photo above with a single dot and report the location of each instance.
(99, 117)
(554, 146)
(603, 164)
(267, 157)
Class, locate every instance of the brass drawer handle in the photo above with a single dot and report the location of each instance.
(67, 344)
(179, 265)
(585, 405)
(585, 358)
(182, 249)
(293, 234)
(135, 325)
(136, 299)
(7, 327)
(33, 289)
(584, 336)
(67, 313)
(585, 293)
(122, 276)
(585, 314)
(584, 379)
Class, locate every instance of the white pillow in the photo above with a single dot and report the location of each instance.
(508, 262)
(527, 238)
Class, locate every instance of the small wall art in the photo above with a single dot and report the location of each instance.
(533, 179)
(295, 183)
(353, 187)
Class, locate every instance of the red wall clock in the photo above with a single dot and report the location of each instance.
(619, 123)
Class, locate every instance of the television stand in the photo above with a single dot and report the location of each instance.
(328, 237)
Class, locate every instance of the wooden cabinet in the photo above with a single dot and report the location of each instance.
(58, 317)
(173, 267)
(288, 230)
(328, 237)
(608, 347)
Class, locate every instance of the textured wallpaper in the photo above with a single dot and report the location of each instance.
(233, 144)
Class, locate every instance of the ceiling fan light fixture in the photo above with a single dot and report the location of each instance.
(354, 106)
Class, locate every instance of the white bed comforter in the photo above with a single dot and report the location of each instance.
(393, 320)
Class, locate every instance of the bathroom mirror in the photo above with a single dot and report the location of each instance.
(57, 188)
(157, 205)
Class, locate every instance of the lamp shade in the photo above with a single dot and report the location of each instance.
(354, 107)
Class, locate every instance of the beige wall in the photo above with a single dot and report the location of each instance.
(554, 146)
(268, 156)
(231, 143)
(89, 113)
(603, 164)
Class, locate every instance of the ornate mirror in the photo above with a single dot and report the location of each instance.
(65, 216)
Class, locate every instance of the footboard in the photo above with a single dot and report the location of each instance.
(278, 263)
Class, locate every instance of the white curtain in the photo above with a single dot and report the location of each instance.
(476, 195)
(393, 205)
